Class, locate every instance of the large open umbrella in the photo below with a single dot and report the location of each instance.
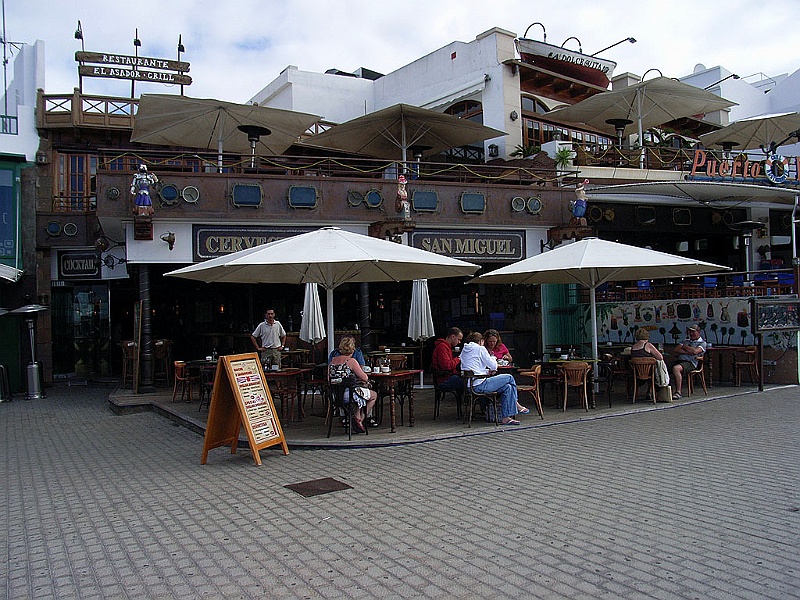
(312, 327)
(209, 124)
(646, 104)
(592, 262)
(420, 321)
(391, 132)
(756, 132)
(330, 257)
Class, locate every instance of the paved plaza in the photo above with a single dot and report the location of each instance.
(700, 500)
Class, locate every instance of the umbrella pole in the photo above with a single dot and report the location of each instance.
(593, 316)
(639, 93)
(329, 312)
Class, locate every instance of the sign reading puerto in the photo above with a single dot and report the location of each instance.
(774, 168)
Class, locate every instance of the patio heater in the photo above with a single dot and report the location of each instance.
(34, 369)
(746, 229)
(619, 126)
(254, 133)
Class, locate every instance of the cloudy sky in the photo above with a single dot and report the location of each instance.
(236, 47)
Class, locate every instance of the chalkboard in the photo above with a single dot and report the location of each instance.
(775, 315)
(241, 397)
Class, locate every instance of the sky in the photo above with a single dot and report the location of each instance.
(236, 47)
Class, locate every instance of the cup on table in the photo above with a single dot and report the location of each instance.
(557, 350)
(388, 349)
(209, 358)
(564, 357)
(385, 369)
(366, 369)
(286, 349)
(275, 367)
(403, 344)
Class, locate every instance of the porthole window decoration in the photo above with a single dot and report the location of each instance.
(247, 195)
(595, 213)
(646, 215)
(373, 199)
(681, 216)
(190, 194)
(424, 200)
(112, 193)
(534, 205)
(169, 194)
(70, 229)
(473, 203)
(302, 196)
(518, 204)
(354, 198)
(53, 229)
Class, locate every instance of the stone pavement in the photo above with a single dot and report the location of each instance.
(698, 501)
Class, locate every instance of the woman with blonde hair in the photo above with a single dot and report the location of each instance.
(344, 366)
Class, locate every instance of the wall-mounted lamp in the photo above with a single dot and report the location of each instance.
(136, 41)
(513, 115)
(731, 76)
(494, 151)
(627, 39)
(79, 35)
(104, 243)
(169, 238)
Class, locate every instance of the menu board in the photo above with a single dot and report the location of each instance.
(775, 315)
(241, 397)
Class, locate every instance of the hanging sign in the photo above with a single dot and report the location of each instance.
(241, 397)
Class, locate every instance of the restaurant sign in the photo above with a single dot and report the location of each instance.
(774, 168)
(480, 246)
(140, 68)
(209, 241)
(78, 265)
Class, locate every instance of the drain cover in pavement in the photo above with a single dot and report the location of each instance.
(318, 486)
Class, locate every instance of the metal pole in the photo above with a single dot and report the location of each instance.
(366, 326)
(146, 386)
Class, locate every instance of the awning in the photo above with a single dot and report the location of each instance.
(461, 94)
(692, 192)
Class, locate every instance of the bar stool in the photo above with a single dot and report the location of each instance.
(5, 388)
(162, 359)
(129, 350)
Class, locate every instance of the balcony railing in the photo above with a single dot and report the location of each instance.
(668, 159)
(9, 125)
(79, 110)
(74, 204)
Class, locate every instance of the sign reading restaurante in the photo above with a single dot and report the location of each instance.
(140, 68)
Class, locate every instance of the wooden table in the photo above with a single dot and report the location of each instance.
(387, 383)
(285, 383)
(295, 358)
(714, 356)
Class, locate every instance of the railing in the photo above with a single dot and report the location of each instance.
(669, 159)
(9, 125)
(79, 110)
(74, 204)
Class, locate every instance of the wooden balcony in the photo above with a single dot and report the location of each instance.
(55, 111)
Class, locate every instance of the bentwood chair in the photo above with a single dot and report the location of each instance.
(576, 375)
(340, 393)
(697, 374)
(746, 359)
(184, 380)
(207, 374)
(533, 388)
(644, 369)
(490, 401)
(439, 392)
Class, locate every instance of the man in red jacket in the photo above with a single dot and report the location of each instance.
(446, 364)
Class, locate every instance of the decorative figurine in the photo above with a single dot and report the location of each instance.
(401, 204)
(578, 206)
(140, 186)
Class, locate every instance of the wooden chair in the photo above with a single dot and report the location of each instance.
(490, 401)
(644, 369)
(698, 374)
(206, 385)
(439, 393)
(129, 349)
(746, 359)
(576, 375)
(339, 401)
(162, 356)
(183, 380)
(533, 374)
(316, 382)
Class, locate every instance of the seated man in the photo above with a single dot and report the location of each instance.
(446, 364)
(687, 354)
(358, 354)
(475, 358)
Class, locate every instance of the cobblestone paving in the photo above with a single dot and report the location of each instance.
(702, 501)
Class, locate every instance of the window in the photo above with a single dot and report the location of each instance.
(76, 183)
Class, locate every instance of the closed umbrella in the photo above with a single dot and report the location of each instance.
(420, 321)
(210, 124)
(330, 257)
(312, 327)
(592, 262)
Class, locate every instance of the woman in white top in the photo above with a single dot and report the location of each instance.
(475, 358)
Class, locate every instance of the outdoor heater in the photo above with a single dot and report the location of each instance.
(34, 369)
(254, 133)
(746, 229)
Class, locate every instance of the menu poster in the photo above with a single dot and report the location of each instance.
(775, 315)
(241, 397)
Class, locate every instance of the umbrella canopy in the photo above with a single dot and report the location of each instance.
(330, 257)
(592, 262)
(647, 104)
(391, 132)
(312, 327)
(754, 132)
(10, 273)
(210, 124)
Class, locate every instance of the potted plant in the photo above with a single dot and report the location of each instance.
(563, 157)
(522, 151)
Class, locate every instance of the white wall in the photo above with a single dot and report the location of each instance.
(28, 76)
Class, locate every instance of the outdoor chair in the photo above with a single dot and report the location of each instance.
(489, 401)
(746, 359)
(162, 356)
(644, 369)
(184, 380)
(576, 375)
(129, 349)
(316, 382)
(439, 393)
(694, 375)
(533, 389)
(207, 375)
(340, 393)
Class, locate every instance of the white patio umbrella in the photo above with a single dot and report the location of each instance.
(754, 132)
(330, 257)
(420, 321)
(312, 327)
(592, 262)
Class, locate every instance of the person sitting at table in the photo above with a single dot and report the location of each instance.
(344, 366)
(358, 354)
(495, 345)
(475, 358)
(644, 349)
(693, 347)
(445, 363)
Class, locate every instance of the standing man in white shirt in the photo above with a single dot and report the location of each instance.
(268, 338)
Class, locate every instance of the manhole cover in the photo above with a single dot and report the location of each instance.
(318, 486)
